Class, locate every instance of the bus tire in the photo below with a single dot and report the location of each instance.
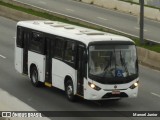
(34, 77)
(69, 90)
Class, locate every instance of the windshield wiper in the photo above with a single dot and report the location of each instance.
(109, 63)
(123, 63)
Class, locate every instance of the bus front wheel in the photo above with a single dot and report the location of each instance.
(34, 77)
(69, 90)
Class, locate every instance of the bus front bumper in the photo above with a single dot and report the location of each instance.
(103, 94)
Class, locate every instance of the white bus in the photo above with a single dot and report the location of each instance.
(83, 62)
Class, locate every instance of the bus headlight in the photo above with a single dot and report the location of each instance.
(93, 86)
(134, 85)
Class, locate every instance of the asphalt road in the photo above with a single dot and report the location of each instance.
(109, 18)
(45, 99)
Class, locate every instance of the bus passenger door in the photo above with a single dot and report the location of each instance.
(80, 70)
(48, 71)
(25, 52)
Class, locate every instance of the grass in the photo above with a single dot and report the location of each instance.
(153, 47)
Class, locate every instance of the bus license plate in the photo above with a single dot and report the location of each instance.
(115, 92)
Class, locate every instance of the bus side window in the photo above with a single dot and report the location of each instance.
(69, 54)
(53, 45)
(19, 40)
(37, 42)
(59, 48)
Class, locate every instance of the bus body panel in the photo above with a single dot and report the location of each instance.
(39, 61)
(59, 71)
(19, 59)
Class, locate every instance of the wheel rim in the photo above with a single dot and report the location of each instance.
(69, 91)
(34, 76)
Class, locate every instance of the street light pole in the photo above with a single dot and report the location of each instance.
(141, 21)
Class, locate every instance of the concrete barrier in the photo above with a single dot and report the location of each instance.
(87, 1)
(135, 9)
(98, 2)
(118, 5)
(151, 13)
(124, 6)
(109, 4)
(149, 58)
(158, 16)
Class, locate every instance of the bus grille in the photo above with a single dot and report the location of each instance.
(110, 95)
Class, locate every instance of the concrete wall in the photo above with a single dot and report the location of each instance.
(151, 13)
(124, 6)
(134, 9)
(87, 1)
(149, 58)
(109, 4)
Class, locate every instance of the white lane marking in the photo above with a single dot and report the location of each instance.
(101, 18)
(155, 94)
(2, 56)
(71, 10)
(139, 28)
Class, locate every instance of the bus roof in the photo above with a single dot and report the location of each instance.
(78, 33)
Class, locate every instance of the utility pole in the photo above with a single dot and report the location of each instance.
(141, 21)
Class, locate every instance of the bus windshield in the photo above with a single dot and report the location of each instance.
(113, 62)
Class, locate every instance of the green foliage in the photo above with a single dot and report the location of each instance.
(149, 46)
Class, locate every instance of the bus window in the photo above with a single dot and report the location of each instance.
(59, 48)
(37, 43)
(70, 52)
(20, 37)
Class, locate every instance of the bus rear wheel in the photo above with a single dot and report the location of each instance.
(69, 90)
(34, 77)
